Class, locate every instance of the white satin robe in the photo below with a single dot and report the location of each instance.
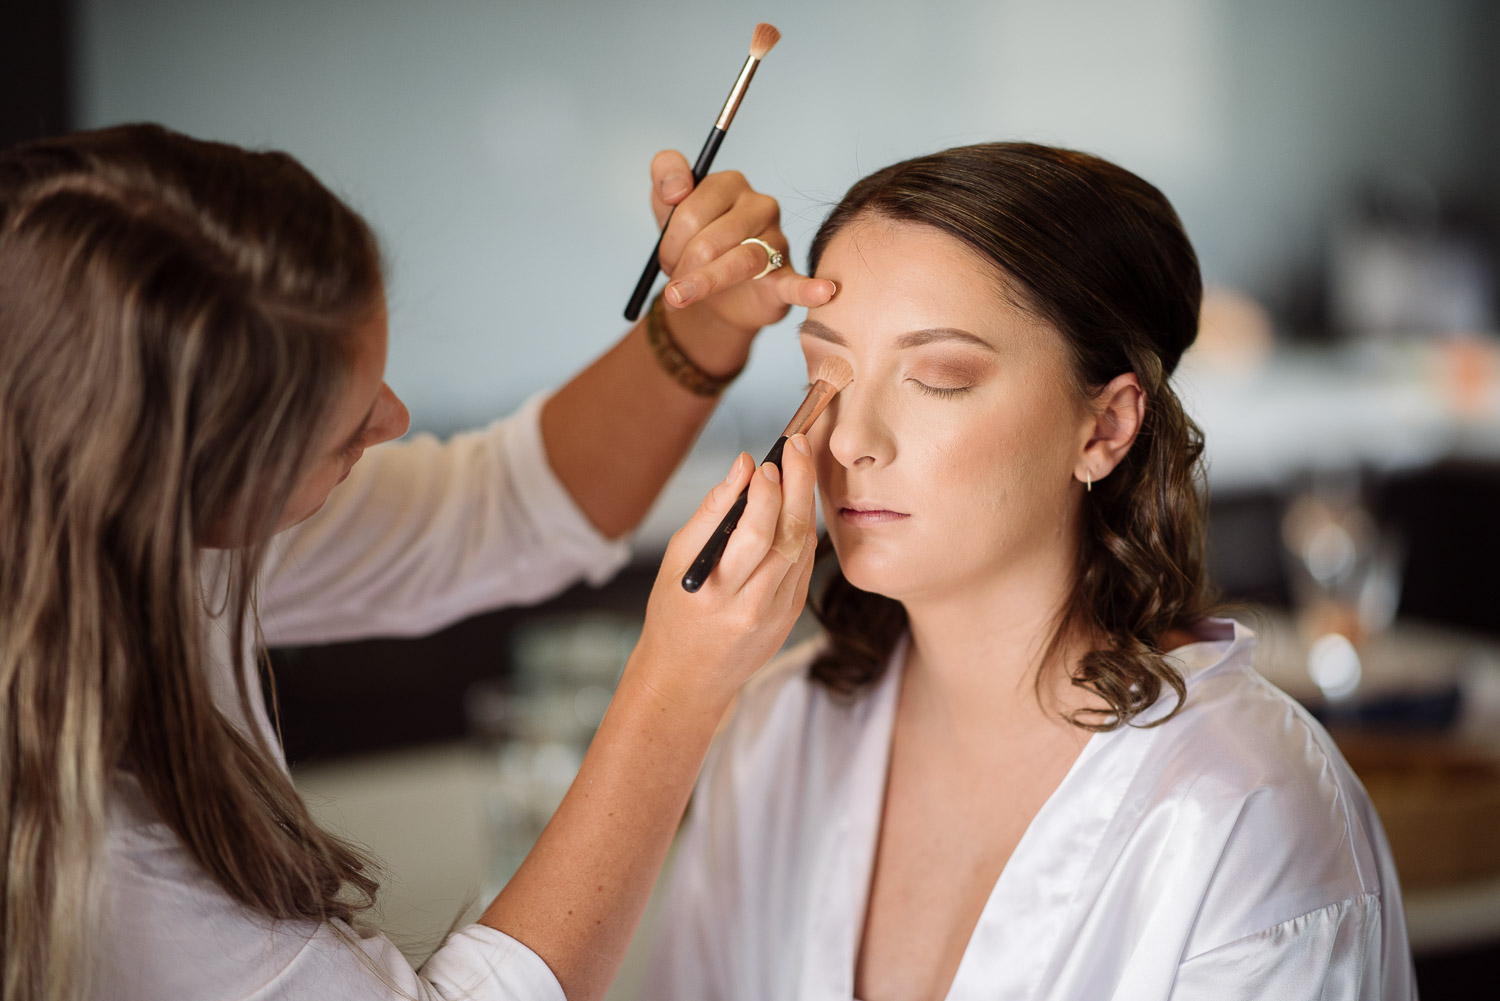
(1228, 854)
(422, 534)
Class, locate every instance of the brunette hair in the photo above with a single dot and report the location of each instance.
(1099, 254)
(175, 321)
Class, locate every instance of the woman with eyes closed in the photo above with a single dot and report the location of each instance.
(1024, 761)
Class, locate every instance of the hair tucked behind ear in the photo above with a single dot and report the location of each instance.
(1140, 565)
(1100, 255)
(175, 321)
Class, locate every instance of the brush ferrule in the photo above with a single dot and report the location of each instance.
(737, 93)
(817, 400)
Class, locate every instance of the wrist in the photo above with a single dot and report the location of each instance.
(679, 694)
(713, 345)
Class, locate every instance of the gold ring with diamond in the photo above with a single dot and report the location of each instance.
(774, 259)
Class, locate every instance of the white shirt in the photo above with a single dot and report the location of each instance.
(1227, 854)
(421, 534)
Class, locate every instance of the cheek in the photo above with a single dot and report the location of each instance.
(1005, 492)
(311, 493)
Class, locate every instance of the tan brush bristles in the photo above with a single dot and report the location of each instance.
(833, 376)
(764, 38)
(835, 371)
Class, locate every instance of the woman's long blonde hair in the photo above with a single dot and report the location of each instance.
(175, 322)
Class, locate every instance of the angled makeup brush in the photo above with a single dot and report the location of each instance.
(834, 374)
(761, 41)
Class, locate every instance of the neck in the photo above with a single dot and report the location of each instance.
(980, 649)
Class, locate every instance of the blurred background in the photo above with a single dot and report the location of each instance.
(1336, 163)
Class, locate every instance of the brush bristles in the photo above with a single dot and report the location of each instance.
(835, 371)
(764, 38)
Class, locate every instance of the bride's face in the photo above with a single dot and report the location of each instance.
(949, 462)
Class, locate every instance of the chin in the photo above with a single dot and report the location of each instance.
(298, 515)
(878, 573)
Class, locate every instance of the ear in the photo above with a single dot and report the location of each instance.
(1118, 410)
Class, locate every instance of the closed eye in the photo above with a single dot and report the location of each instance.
(939, 390)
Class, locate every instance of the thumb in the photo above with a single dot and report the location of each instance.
(671, 182)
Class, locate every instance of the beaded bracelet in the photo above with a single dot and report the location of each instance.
(675, 362)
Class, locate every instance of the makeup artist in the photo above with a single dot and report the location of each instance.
(192, 406)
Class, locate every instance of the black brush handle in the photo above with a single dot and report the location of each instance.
(713, 549)
(653, 266)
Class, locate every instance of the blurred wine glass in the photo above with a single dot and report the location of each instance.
(1344, 573)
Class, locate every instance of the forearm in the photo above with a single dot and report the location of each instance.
(617, 431)
(577, 898)
(579, 895)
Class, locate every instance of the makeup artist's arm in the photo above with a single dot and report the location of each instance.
(615, 433)
(577, 898)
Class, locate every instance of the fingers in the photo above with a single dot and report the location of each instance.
(740, 263)
(794, 525)
(671, 182)
(785, 285)
(780, 538)
(753, 537)
(712, 221)
(799, 290)
(788, 567)
(703, 249)
(684, 547)
(792, 590)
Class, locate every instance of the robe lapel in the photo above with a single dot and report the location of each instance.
(845, 846)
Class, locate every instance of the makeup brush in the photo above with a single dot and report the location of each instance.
(834, 374)
(761, 41)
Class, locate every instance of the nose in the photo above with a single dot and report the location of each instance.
(860, 437)
(391, 419)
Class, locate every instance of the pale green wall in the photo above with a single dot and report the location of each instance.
(501, 148)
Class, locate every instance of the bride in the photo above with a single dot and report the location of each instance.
(1023, 761)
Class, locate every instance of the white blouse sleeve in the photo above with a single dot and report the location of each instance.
(166, 929)
(295, 961)
(1330, 954)
(424, 533)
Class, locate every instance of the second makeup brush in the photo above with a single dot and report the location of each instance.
(761, 41)
(834, 374)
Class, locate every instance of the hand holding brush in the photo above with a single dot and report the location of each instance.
(764, 37)
(833, 375)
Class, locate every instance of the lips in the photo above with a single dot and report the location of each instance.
(865, 513)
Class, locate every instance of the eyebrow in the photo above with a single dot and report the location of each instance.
(911, 339)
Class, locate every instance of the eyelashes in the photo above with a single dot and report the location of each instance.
(939, 391)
